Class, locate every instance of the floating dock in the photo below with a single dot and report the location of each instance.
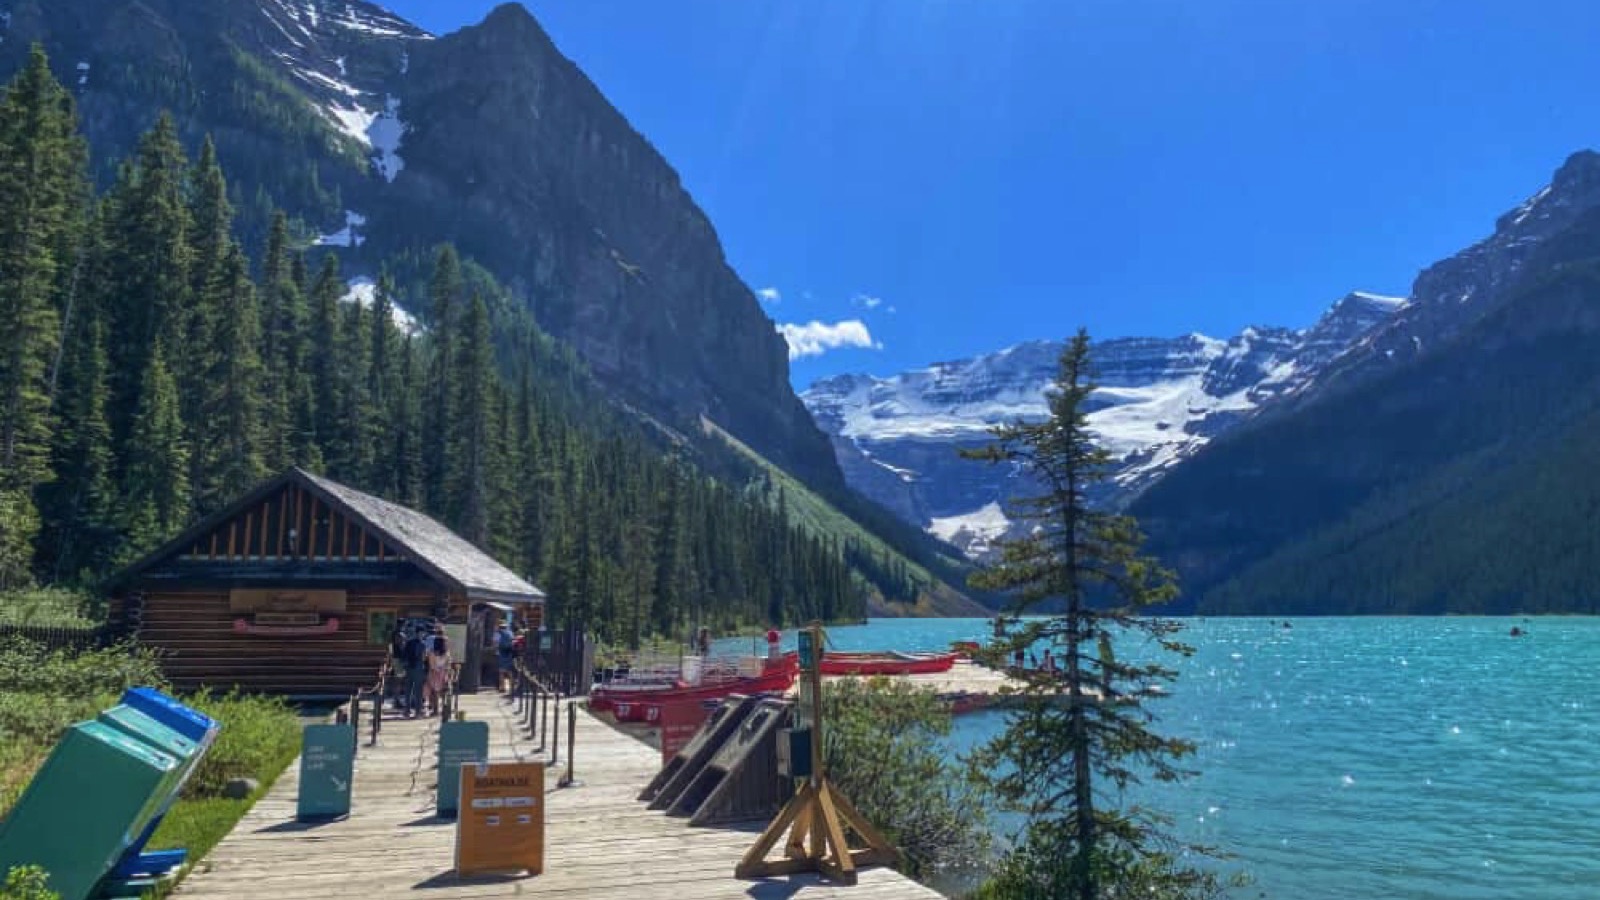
(601, 841)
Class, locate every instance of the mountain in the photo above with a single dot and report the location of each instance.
(1443, 464)
(1159, 401)
(384, 140)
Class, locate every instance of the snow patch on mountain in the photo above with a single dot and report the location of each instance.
(364, 291)
(384, 135)
(349, 235)
(973, 532)
(1157, 402)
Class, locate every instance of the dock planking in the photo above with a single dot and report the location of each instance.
(601, 843)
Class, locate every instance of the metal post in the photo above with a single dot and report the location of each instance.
(544, 718)
(555, 747)
(532, 710)
(355, 712)
(377, 716)
(572, 736)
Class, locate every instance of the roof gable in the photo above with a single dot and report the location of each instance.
(302, 517)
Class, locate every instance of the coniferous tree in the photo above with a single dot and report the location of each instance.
(469, 452)
(325, 361)
(438, 419)
(1083, 734)
(41, 193)
(350, 457)
(146, 274)
(230, 411)
(383, 390)
(409, 474)
(155, 493)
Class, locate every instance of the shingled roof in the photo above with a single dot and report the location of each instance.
(444, 555)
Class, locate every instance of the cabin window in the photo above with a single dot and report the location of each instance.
(380, 625)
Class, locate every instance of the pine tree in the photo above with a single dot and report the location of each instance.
(351, 456)
(408, 466)
(383, 391)
(231, 405)
(41, 193)
(155, 491)
(325, 362)
(438, 419)
(469, 451)
(145, 276)
(1083, 736)
(79, 505)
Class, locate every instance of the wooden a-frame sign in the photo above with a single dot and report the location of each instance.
(817, 813)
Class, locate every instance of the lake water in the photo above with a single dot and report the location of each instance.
(1372, 758)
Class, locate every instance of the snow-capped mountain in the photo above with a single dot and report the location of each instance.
(1159, 400)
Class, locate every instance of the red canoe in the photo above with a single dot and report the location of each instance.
(629, 702)
(889, 663)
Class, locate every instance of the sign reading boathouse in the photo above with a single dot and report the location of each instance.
(501, 826)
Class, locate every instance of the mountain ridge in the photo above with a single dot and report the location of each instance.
(1159, 401)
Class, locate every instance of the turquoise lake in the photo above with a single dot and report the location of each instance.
(1371, 758)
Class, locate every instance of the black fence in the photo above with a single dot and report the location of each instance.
(562, 660)
(63, 638)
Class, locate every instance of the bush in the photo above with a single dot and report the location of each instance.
(30, 668)
(47, 607)
(27, 883)
(882, 747)
(259, 737)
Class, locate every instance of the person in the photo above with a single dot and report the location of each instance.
(773, 639)
(395, 686)
(1049, 662)
(1019, 659)
(505, 654)
(705, 641)
(413, 657)
(438, 667)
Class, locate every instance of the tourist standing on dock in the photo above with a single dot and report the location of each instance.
(505, 653)
(773, 639)
(438, 672)
(704, 641)
(413, 656)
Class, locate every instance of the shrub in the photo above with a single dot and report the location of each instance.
(27, 883)
(882, 747)
(259, 736)
(30, 668)
(47, 607)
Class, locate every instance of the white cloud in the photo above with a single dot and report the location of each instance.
(769, 294)
(816, 338)
(867, 301)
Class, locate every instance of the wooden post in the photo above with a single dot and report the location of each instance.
(569, 779)
(815, 818)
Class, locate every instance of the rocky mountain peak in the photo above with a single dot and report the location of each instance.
(1159, 401)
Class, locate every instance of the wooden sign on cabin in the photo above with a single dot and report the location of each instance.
(256, 600)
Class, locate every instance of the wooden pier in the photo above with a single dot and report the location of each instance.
(601, 843)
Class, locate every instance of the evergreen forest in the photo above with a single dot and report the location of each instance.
(153, 367)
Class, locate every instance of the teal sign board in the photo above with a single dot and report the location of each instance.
(808, 653)
(327, 771)
(460, 743)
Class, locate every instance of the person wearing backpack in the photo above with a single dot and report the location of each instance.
(505, 653)
(413, 655)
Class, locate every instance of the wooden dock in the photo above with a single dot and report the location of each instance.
(601, 843)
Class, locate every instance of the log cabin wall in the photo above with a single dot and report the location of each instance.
(201, 648)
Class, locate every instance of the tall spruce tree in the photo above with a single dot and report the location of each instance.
(146, 272)
(231, 404)
(155, 492)
(438, 425)
(1084, 733)
(470, 448)
(41, 196)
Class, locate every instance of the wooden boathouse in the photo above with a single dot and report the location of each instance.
(296, 589)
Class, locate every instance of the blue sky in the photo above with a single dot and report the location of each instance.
(948, 177)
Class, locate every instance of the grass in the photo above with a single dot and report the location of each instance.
(42, 692)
